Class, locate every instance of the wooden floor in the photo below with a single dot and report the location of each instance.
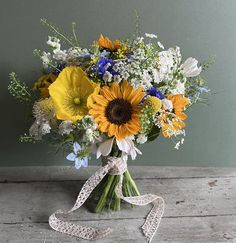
(200, 204)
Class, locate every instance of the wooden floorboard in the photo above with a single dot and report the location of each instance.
(200, 205)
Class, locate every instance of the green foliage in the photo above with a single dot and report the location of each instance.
(154, 133)
(206, 64)
(19, 90)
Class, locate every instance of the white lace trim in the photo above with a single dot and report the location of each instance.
(115, 166)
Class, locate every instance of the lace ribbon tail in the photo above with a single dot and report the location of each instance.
(77, 230)
(153, 219)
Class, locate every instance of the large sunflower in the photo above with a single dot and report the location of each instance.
(116, 109)
(70, 93)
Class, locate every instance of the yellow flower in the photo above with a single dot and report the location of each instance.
(70, 93)
(173, 122)
(43, 83)
(154, 102)
(116, 109)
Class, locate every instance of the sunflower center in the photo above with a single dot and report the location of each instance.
(118, 111)
(77, 101)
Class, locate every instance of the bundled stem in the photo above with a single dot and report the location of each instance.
(105, 195)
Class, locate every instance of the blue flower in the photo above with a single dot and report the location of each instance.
(75, 157)
(105, 64)
(203, 90)
(155, 92)
(60, 67)
(105, 53)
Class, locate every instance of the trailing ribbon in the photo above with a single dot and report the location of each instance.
(116, 166)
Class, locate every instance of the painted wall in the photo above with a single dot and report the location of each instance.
(201, 28)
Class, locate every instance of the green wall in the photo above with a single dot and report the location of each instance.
(201, 28)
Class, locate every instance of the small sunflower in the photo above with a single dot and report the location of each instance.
(70, 93)
(116, 109)
(43, 83)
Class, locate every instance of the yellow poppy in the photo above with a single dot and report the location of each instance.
(116, 109)
(105, 42)
(70, 93)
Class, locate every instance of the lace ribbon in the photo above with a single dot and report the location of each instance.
(115, 166)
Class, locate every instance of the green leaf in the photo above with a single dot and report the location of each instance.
(154, 133)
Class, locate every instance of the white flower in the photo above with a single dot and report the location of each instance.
(156, 76)
(127, 147)
(45, 128)
(179, 88)
(117, 78)
(46, 58)
(151, 36)
(177, 145)
(141, 139)
(189, 68)
(105, 147)
(167, 104)
(39, 128)
(66, 127)
(60, 55)
(107, 76)
(166, 63)
(125, 75)
(90, 135)
(54, 42)
(160, 45)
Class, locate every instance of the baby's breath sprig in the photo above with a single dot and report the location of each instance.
(137, 25)
(18, 89)
(50, 63)
(60, 33)
(27, 139)
(146, 118)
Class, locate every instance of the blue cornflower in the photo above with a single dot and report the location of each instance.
(74, 156)
(106, 64)
(155, 92)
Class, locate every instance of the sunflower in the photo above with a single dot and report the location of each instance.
(116, 109)
(173, 122)
(105, 42)
(70, 93)
(43, 83)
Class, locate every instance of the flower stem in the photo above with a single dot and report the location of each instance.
(131, 182)
(103, 199)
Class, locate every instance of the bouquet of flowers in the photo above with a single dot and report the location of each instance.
(107, 100)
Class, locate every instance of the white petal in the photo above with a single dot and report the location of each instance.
(76, 147)
(71, 157)
(105, 147)
(124, 145)
(84, 162)
(77, 163)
